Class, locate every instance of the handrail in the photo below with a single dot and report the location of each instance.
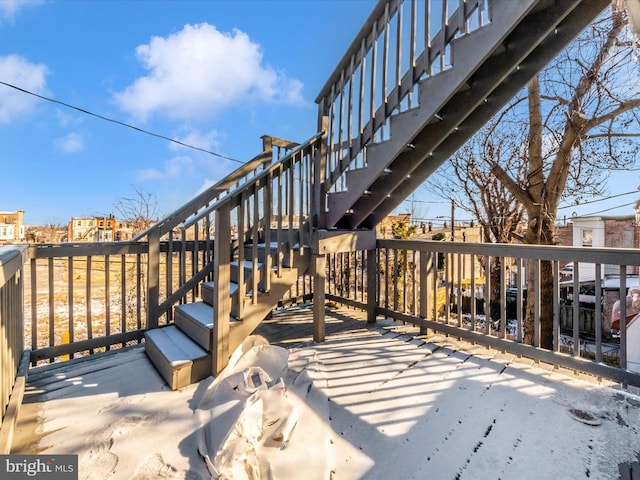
(214, 192)
(12, 259)
(275, 203)
(261, 176)
(355, 46)
(195, 209)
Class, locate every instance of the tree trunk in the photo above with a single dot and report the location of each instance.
(540, 232)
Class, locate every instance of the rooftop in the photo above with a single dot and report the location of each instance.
(400, 406)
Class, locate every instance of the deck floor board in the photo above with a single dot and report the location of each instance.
(401, 406)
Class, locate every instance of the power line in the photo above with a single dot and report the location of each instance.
(609, 209)
(600, 200)
(118, 122)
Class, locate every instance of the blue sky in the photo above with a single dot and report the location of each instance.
(215, 74)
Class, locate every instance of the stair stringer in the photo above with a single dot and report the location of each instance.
(553, 28)
(254, 313)
(468, 53)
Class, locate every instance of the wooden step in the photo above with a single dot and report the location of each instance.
(178, 359)
(272, 249)
(208, 289)
(196, 321)
(248, 272)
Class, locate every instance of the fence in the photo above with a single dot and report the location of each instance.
(12, 259)
(444, 286)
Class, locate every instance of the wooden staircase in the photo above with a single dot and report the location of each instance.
(385, 125)
(182, 351)
(235, 282)
(403, 142)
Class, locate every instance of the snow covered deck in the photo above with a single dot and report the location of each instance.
(400, 407)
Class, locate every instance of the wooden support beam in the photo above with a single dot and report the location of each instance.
(221, 279)
(319, 266)
(372, 282)
(153, 273)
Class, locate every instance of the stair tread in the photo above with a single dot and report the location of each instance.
(201, 313)
(176, 347)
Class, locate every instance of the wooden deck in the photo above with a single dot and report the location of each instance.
(401, 406)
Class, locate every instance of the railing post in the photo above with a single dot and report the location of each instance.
(372, 286)
(153, 279)
(221, 302)
(319, 266)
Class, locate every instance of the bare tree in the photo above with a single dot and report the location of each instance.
(140, 209)
(580, 115)
(469, 183)
(581, 122)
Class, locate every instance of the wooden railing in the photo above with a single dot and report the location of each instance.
(88, 297)
(274, 207)
(83, 298)
(442, 286)
(193, 222)
(401, 43)
(12, 260)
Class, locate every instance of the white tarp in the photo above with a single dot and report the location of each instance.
(264, 417)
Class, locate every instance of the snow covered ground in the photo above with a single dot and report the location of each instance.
(397, 408)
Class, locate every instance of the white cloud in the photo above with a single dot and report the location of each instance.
(207, 140)
(70, 143)
(18, 71)
(198, 71)
(10, 8)
(66, 119)
(173, 168)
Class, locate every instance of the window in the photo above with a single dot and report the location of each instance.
(587, 238)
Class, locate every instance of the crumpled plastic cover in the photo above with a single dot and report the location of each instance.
(261, 419)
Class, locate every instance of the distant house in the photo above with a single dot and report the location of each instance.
(601, 232)
(124, 231)
(604, 231)
(91, 229)
(12, 227)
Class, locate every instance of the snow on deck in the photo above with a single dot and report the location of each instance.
(399, 408)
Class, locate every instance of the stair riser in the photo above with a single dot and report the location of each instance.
(248, 275)
(207, 293)
(198, 332)
(178, 373)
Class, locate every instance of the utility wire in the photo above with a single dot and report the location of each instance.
(118, 122)
(609, 209)
(600, 200)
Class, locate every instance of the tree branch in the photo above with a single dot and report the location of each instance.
(623, 107)
(587, 136)
(513, 188)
